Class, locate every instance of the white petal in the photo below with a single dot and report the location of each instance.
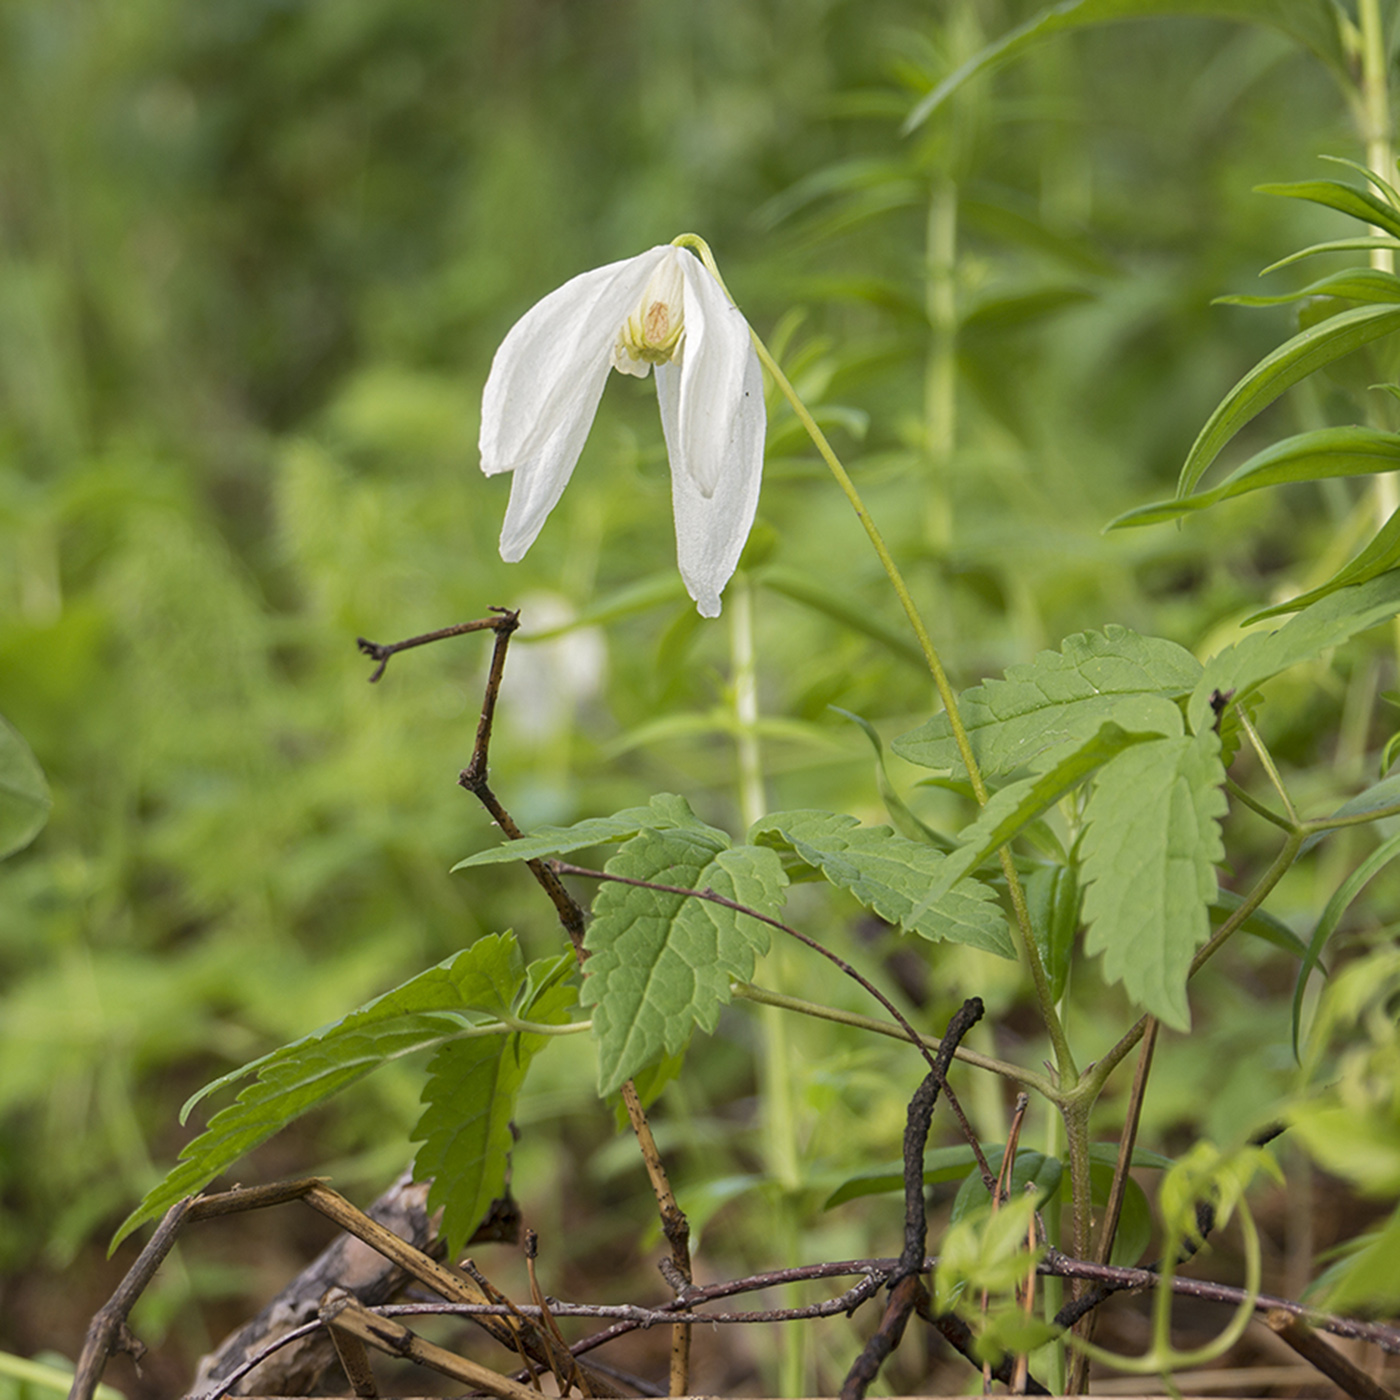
(712, 525)
(716, 368)
(544, 387)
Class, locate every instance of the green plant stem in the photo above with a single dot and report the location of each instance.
(1254, 805)
(749, 991)
(1374, 115)
(1067, 1070)
(1022, 925)
(1270, 767)
(744, 665)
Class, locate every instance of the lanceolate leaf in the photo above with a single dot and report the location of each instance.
(1329, 623)
(448, 1001)
(889, 875)
(1360, 204)
(1150, 846)
(1314, 456)
(1338, 905)
(1059, 698)
(470, 1099)
(1312, 23)
(906, 822)
(661, 963)
(1052, 899)
(1354, 284)
(24, 793)
(1294, 360)
(664, 812)
(1379, 557)
(1018, 804)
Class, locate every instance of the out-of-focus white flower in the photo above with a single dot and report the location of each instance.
(663, 309)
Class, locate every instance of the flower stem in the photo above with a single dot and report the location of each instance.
(1021, 927)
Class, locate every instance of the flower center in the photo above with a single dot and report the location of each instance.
(653, 333)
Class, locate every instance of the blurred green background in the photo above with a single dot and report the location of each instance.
(254, 261)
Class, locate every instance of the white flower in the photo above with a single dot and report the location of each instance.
(663, 309)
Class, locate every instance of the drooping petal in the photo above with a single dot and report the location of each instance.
(544, 387)
(713, 417)
(716, 366)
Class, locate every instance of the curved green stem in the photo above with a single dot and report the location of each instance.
(749, 991)
(1270, 767)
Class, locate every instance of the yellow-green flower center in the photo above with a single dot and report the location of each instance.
(652, 334)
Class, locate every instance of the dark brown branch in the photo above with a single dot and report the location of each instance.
(571, 916)
(1336, 1367)
(907, 1290)
(959, 1336)
(382, 652)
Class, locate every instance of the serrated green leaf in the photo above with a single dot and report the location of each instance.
(24, 792)
(1059, 698)
(1379, 557)
(1305, 21)
(1340, 902)
(1151, 842)
(665, 812)
(660, 963)
(437, 1005)
(470, 1099)
(1354, 284)
(1052, 900)
(1018, 804)
(1294, 360)
(1312, 456)
(1347, 199)
(1249, 662)
(889, 875)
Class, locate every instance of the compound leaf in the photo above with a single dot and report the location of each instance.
(1059, 698)
(1150, 846)
(661, 962)
(1020, 803)
(470, 1097)
(445, 1002)
(889, 875)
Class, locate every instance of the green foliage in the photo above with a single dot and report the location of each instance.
(470, 1100)
(474, 993)
(889, 874)
(665, 812)
(1151, 842)
(1244, 665)
(661, 963)
(1060, 698)
(254, 265)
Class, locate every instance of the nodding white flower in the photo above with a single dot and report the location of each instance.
(662, 309)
